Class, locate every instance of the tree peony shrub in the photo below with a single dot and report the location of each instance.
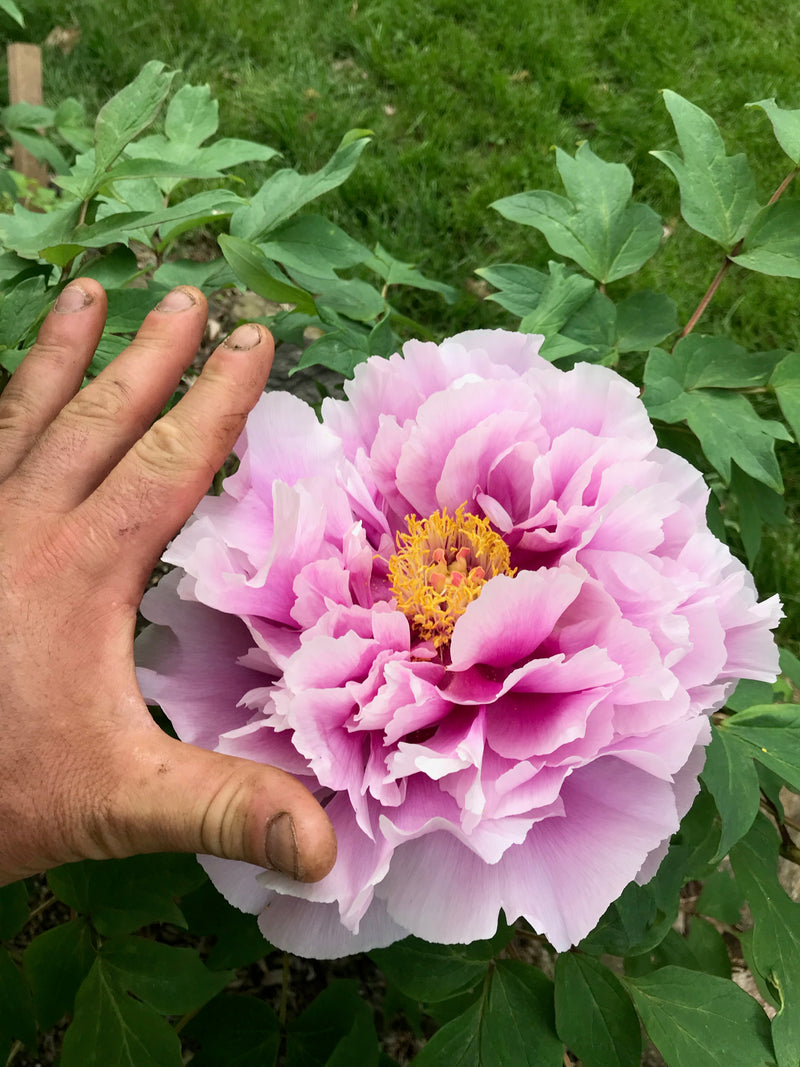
(480, 614)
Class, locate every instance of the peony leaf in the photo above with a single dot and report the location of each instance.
(594, 1014)
(252, 267)
(519, 288)
(785, 124)
(55, 963)
(786, 383)
(512, 1023)
(428, 972)
(644, 319)
(772, 244)
(16, 1012)
(725, 423)
(286, 191)
(174, 981)
(758, 506)
(128, 113)
(13, 909)
(335, 1030)
(192, 115)
(717, 191)
(239, 941)
(721, 898)
(696, 952)
(313, 244)
(122, 895)
(395, 272)
(235, 1031)
(695, 1018)
(562, 295)
(111, 1029)
(776, 933)
(770, 733)
(596, 225)
(730, 776)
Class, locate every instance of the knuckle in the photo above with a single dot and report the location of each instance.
(106, 400)
(168, 451)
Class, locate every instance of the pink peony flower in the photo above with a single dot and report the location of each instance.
(479, 613)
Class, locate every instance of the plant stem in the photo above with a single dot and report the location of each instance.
(727, 262)
(284, 992)
(15, 1048)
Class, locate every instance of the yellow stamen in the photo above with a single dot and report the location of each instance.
(441, 565)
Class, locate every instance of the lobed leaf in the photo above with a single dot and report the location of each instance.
(717, 191)
(235, 1031)
(772, 244)
(596, 225)
(129, 112)
(786, 126)
(771, 734)
(55, 964)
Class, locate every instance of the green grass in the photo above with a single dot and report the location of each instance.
(466, 106)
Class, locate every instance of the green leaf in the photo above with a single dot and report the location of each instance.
(27, 231)
(562, 295)
(726, 424)
(717, 191)
(34, 116)
(644, 319)
(283, 194)
(594, 1014)
(772, 244)
(395, 272)
(786, 383)
(335, 1030)
(786, 125)
(21, 309)
(749, 692)
(142, 167)
(252, 267)
(695, 1018)
(770, 733)
(596, 225)
(16, 1012)
(721, 898)
(340, 351)
(519, 288)
(110, 1029)
(776, 933)
(55, 963)
(41, 148)
(129, 112)
(512, 1023)
(313, 244)
(235, 1031)
(13, 909)
(174, 981)
(708, 948)
(112, 270)
(192, 115)
(123, 895)
(239, 942)
(730, 776)
(13, 11)
(428, 972)
(757, 506)
(209, 276)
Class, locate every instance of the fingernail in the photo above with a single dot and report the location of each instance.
(72, 298)
(243, 337)
(281, 845)
(176, 300)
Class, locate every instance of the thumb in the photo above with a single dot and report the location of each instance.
(179, 798)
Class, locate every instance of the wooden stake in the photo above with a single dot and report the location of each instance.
(25, 87)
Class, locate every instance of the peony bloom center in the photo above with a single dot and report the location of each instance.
(440, 567)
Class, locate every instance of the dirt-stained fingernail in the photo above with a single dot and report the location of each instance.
(280, 845)
(176, 300)
(243, 337)
(72, 298)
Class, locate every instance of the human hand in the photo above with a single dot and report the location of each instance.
(90, 493)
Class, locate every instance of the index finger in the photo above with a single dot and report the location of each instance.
(153, 490)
